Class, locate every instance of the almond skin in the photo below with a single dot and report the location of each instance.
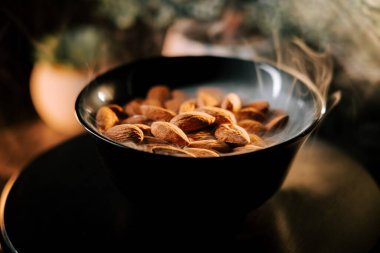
(247, 148)
(124, 133)
(106, 118)
(170, 133)
(192, 121)
(250, 113)
(160, 93)
(188, 106)
(211, 144)
(221, 115)
(261, 105)
(253, 126)
(133, 107)
(201, 152)
(231, 102)
(232, 134)
(136, 119)
(209, 96)
(157, 113)
(277, 122)
(170, 150)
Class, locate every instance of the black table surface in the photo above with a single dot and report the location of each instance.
(64, 201)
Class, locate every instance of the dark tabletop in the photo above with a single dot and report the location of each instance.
(64, 201)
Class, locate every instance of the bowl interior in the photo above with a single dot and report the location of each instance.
(252, 81)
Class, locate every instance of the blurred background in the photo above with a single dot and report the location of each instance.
(50, 49)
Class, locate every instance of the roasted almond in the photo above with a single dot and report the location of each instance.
(205, 134)
(133, 107)
(144, 128)
(261, 105)
(192, 121)
(277, 122)
(179, 95)
(170, 150)
(136, 119)
(173, 104)
(211, 144)
(247, 148)
(202, 152)
(106, 118)
(170, 133)
(151, 101)
(252, 126)
(221, 115)
(250, 113)
(125, 133)
(153, 140)
(160, 93)
(232, 134)
(188, 106)
(209, 96)
(257, 140)
(231, 102)
(157, 113)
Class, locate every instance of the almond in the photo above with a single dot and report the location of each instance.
(133, 107)
(231, 102)
(250, 113)
(232, 134)
(261, 105)
(170, 133)
(170, 150)
(205, 134)
(151, 101)
(247, 148)
(257, 140)
(157, 113)
(159, 93)
(106, 118)
(209, 96)
(211, 144)
(125, 133)
(144, 128)
(277, 122)
(201, 152)
(136, 119)
(192, 121)
(252, 126)
(188, 106)
(178, 94)
(153, 140)
(221, 115)
(173, 104)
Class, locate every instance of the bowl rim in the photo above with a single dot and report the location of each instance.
(320, 101)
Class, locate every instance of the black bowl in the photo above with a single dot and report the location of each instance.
(213, 193)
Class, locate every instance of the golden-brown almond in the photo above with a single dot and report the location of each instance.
(247, 148)
(232, 134)
(125, 133)
(106, 118)
(221, 115)
(151, 101)
(159, 92)
(136, 119)
(250, 113)
(211, 144)
(188, 106)
(261, 105)
(170, 133)
(231, 102)
(252, 126)
(133, 107)
(277, 122)
(145, 128)
(170, 150)
(178, 94)
(192, 121)
(153, 140)
(206, 134)
(201, 152)
(157, 113)
(209, 96)
(257, 140)
(173, 104)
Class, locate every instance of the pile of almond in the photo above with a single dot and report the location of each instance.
(169, 122)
